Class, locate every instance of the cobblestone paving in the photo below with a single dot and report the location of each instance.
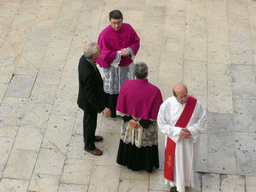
(209, 45)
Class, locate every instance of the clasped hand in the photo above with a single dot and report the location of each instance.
(185, 133)
(125, 52)
(134, 124)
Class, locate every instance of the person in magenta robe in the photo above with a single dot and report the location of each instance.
(119, 43)
(138, 104)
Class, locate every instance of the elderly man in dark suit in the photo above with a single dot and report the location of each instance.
(91, 96)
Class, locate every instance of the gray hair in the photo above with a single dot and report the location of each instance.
(90, 49)
(141, 70)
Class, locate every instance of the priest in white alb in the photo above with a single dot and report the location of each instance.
(181, 118)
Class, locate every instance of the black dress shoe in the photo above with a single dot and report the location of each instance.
(174, 189)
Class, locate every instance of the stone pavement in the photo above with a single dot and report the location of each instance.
(209, 45)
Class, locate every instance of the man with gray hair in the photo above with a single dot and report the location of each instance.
(91, 96)
(138, 104)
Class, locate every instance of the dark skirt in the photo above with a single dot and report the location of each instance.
(144, 158)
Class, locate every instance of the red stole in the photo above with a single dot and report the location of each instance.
(170, 146)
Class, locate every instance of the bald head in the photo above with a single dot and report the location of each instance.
(180, 91)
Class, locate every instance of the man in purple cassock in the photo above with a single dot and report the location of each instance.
(119, 43)
(138, 104)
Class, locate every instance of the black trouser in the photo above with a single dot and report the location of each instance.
(89, 127)
(111, 103)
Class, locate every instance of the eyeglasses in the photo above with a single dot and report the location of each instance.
(116, 23)
(183, 97)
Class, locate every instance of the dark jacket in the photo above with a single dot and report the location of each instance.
(91, 93)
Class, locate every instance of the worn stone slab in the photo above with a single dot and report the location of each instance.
(128, 174)
(195, 49)
(176, 8)
(4, 154)
(6, 73)
(161, 149)
(173, 40)
(72, 187)
(220, 96)
(10, 121)
(250, 183)
(109, 147)
(245, 151)
(49, 76)
(38, 39)
(21, 86)
(109, 125)
(36, 115)
(218, 54)
(20, 164)
(65, 106)
(48, 13)
(29, 63)
(217, 36)
(76, 148)
(104, 178)
(196, 32)
(196, 14)
(44, 183)
(77, 171)
(242, 35)
(148, 53)
(244, 116)
(14, 185)
(226, 163)
(5, 23)
(243, 82)
(210, 182)
(150, 34)
(238, 20)
(220, 123)
(131, 185)
(219, 71)
(232, 183)
(8, 131)
(13, 107)
(170, 60)
(157, 181)
(3, 88)
(19, 30)
(43, 93)
(78, 127)
(202, 154)
(174, 22)
(50, 161)
(28, 138)
(241, 52)
(195, 77)
(58, 133)
(134, 18)
(217, 14)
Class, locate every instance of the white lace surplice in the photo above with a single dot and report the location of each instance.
(140, 137)
(114, 76)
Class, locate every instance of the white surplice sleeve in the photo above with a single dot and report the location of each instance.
(117, 60)
(200, 117)
(132, 53)
(165, 123)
